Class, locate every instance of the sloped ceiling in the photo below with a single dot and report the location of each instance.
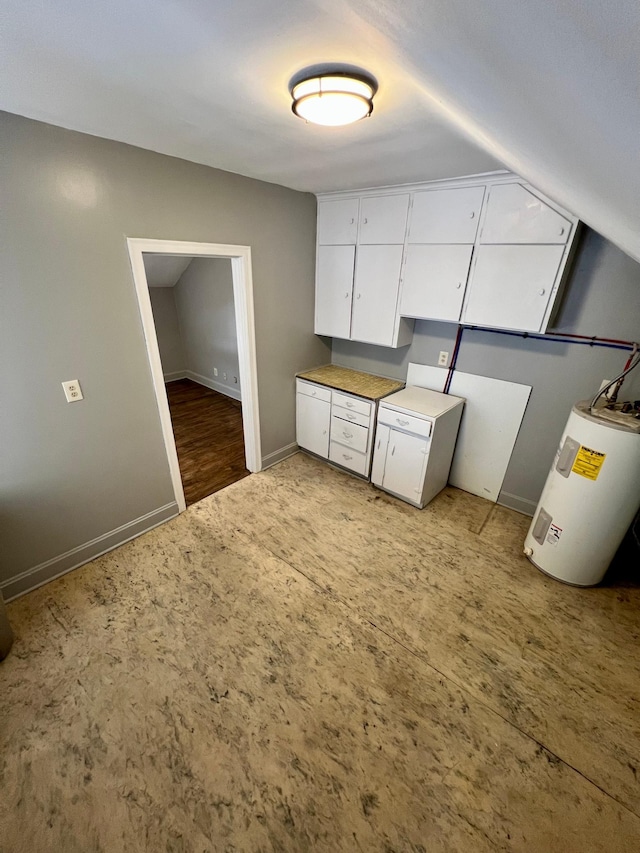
(164, 270)
(549, 88)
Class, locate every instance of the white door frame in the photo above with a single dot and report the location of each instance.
(240, 257)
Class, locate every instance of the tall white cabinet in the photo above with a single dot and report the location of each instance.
(359, 260)
(485, 251)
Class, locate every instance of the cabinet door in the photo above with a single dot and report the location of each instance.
(334, 290)
(515, 215)
(383, 219)
(377, 281)
(312, 424)
(338, 222)
(445, 216)
(380, 454)
(404, 468)
(434, 281)
(510, 286)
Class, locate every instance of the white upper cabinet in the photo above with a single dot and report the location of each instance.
(383, 219)
(516, 215)
(446, 216)
(374, 295)
(338, 222)
(334, 290)
(434, 281)
(511, 286)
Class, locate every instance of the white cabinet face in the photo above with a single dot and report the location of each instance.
(334, 290)
(375, 294)
(312, 424)
(446, 216)
(338, 222)
(434, 281)
(516, 215)
(510, 286)
(380, 454)
(403, 472)
(383, 219)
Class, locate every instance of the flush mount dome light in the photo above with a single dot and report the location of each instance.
(333, 98)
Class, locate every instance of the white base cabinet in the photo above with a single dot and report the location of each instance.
(313, 417)
(415, 440)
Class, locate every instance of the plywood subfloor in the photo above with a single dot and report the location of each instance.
(302, 663)
(208, 431)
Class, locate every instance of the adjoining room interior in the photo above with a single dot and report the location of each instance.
(413, 627)
(194, 316)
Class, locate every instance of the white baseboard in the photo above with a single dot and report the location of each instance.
(526, 507)
(57, 566)
(278, 455)
(228, 390)
(177, 374)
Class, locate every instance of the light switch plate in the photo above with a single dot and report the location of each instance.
(72, 391)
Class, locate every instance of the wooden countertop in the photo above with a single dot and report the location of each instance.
(352, 381)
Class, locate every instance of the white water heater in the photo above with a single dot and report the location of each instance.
(591, 496)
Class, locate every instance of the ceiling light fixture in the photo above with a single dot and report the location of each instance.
(333, 98)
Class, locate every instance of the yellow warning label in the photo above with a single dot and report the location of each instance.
(588, 463)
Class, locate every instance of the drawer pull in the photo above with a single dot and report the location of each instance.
(350, 404)
(401, 422)
(350, 416)
(313, 393)
(347, 434)
(346, 456)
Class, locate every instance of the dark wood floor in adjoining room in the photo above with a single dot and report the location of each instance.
(208, 430)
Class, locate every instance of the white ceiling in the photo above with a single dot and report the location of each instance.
(549, 88)
(164, 270)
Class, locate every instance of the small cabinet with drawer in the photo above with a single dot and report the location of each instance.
(415, 439)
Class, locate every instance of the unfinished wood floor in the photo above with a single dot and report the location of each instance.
(303, 664)
(208, 430)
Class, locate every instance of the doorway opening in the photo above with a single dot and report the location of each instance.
(196, 305)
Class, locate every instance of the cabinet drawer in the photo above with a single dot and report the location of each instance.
(407, 423)
(311, 390)
(350, 416)
(348, 458)
(355, 404)
(351, 435)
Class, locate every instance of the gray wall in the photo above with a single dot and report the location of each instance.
(206, 313)
(73, 473)
(602, 298)
(165, 317)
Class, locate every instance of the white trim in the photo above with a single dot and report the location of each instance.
(515, 502)
(278, 455)
(499, 176)
(245, 328)
(228, 390)
(56, 567)
(175, 375)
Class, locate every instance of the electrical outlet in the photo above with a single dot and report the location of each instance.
(72, 391)
(215, 371)
(443, 359)
(224, 376)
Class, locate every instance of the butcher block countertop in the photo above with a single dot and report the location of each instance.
(352, 381)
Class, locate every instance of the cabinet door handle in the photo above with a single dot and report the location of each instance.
(542, 291)
(359, 295)
(561, 232)
(393, 449)
(346, 296)
(472, 214)
(351, 221)
(401, 422)
(379, 443)
(458, 285)
(365, 220)
(313, 393)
